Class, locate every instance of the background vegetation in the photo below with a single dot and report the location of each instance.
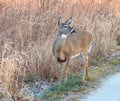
(28, 29)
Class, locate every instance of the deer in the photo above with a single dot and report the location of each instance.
(71, 43)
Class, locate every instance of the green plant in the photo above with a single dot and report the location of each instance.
(30, 79)
(74, 82)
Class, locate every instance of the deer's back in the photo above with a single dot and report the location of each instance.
(79, 41)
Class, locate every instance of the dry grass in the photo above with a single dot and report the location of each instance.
(28, 29)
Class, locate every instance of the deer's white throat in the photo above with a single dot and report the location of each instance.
(63, 36)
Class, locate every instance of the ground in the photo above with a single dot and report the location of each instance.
(75, 90)
(109, 90)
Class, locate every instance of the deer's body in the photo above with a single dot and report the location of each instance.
(68, 44)
(72, 45)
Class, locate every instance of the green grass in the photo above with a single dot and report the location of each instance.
(30, 79)
(73, 83)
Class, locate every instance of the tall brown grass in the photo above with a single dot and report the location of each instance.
(28, 29)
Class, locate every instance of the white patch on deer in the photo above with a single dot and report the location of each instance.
(63, 36)
(89, 49)
(75, 55)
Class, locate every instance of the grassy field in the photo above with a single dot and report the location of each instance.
(74, 88)
(28, 29)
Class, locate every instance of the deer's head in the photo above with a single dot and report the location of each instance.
(65, 28)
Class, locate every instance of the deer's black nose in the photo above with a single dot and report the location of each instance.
(60, 60)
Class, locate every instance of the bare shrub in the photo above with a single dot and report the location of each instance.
(28, 28)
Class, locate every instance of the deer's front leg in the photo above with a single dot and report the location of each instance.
(66, 68)
(60, 65)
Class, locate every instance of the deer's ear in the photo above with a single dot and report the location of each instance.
(59, 21)
(69, 21)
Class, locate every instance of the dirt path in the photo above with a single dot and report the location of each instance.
(109, 90)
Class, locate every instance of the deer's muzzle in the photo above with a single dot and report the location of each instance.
(60, 60)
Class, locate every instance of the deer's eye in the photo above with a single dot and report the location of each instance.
(65, 26)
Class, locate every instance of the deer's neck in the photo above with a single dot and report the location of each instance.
(61, 39)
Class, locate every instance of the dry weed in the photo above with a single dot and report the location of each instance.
(28, 29)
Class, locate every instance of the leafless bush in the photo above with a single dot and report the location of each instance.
(28, 29)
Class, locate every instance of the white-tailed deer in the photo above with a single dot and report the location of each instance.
(71, 43)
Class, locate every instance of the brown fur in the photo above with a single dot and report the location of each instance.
(65, 48)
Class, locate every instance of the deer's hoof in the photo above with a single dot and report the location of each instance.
(81, 65)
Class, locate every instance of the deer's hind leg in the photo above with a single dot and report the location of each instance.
(82, 56)
(85, 75)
